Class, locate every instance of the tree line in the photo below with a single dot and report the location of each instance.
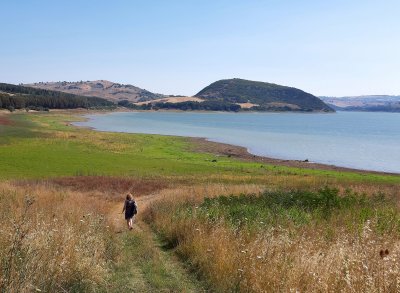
(184, 106)
(20, 97)
(217, 105)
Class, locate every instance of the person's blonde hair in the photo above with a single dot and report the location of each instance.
(129, 196)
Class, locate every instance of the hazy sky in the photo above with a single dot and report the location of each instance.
(335, 47)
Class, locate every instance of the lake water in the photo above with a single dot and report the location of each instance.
(369, 141)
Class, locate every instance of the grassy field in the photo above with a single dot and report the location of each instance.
(43, 145)
(206, 222)
(283, 240)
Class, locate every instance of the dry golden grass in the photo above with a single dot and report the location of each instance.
(196, 193)
(172, 100)
(278, 261)
(313, 258)
(291, 181)
(52, 240)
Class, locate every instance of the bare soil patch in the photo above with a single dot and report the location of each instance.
(172, 100)
(247, 105)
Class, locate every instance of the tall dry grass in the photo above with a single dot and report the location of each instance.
(288, 181)
(327, 256)
(52, 240)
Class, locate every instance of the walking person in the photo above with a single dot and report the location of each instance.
(130, 209)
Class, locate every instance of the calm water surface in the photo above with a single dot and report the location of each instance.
(369, 141)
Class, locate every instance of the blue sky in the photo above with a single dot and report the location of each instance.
(178, 47)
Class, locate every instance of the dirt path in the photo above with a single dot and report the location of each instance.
(145, 266)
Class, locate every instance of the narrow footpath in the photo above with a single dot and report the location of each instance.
(145, 266)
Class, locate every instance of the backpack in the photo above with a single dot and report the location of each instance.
(132, 206)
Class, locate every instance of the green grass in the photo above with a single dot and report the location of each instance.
(43, 145)
(287, 209)
(144, 267)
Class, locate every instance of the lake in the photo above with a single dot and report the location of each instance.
(361, 140)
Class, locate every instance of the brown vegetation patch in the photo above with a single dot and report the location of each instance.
(112, 185)
(5, 121)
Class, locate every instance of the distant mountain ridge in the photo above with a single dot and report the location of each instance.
(223, 95)
(100, 88)
(265, 96)
(370, 103)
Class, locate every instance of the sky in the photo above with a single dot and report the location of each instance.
(330, 48)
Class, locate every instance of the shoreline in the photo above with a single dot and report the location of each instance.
(201, 144)
(204, 145)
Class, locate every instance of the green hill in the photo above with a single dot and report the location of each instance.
(20, 97)
(264, 96)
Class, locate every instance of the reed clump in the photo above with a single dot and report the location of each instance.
(291, 241)
(52, 241)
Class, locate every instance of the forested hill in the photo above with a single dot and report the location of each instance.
(20, 97)
(105, 89)
(264, 96)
